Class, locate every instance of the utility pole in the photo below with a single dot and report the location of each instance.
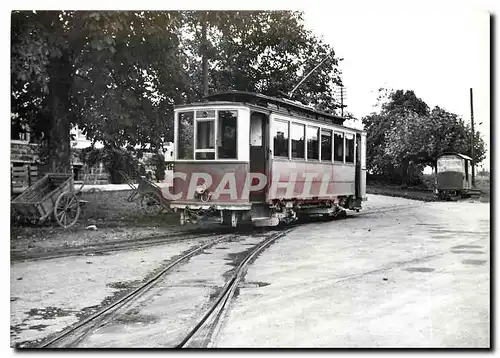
(342, 100)
(341, 95)
(472, 138)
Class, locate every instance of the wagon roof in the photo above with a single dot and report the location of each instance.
(273, 103)
(463, 156)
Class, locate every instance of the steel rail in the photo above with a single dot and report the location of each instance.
(131, 295)
(221, 303)
(151, 240)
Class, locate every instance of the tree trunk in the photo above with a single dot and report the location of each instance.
(404, 173)
(60, 73)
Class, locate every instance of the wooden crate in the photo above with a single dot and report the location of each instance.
(22, 177)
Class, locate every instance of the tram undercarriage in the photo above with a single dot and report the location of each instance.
(267, 215)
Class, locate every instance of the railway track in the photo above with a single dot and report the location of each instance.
(208, 326)
(153, 240)
(77, 332)
(200, 333)
(103, 247)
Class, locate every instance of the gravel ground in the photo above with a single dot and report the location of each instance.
(43, 301)
(115, 218)
(382, 277)
(421, 194)
(414, 277)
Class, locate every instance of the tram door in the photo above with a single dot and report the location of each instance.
(358, 167)
(259, 123)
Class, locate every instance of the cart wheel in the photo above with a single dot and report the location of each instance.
(151, 203)
(67, 209)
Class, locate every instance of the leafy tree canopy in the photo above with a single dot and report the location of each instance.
(262, 51)
(407, 133)
(118, 74)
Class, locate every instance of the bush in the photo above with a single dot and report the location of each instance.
(394, 177)
(157, 162)
(114, 160)
(429, 181)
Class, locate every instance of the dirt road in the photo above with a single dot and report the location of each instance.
(399, 274)
(416, 276)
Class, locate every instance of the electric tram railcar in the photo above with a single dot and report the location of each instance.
(454, 176)
(244, 156)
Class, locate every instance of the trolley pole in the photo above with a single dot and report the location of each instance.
(306, 76)
(472, 138)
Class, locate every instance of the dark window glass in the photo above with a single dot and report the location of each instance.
(326, 145)
(312, 143)
(227, 133)
(186, 136)
(280, 135)
(205, 134)
(338, 143)
(205, 155)
(349, 148)
(205, 114)
(297, 132)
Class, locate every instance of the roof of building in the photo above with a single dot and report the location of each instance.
(463, 156)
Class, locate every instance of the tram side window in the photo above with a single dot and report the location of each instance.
(280, 138)
(338, 143)
(326, 145)
(450, 164)
(297, 134)
(185, 136)
(313, 143)
(227, 135)
(349, 148)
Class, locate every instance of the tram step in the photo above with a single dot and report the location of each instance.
(262, 222)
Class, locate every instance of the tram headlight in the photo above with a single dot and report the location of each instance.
(200, 189)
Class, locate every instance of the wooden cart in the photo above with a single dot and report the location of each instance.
(52, 196)
(148, 193)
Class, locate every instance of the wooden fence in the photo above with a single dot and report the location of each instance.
(23, 176)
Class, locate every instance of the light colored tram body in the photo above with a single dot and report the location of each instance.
(248, 157)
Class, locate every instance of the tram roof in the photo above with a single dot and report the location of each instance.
(463, 156)
(272, 103)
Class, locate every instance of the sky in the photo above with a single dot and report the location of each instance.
(437, 48)
(439, 52)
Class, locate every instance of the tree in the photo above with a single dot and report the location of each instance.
(448, 133)
(405, 136)
(118, 74)
(405, 101)
(261, 51)
(96, 70)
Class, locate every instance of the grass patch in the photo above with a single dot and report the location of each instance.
(113, 206)
(483, 183)
(112, 209)
(425, 192)
(396, 191)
